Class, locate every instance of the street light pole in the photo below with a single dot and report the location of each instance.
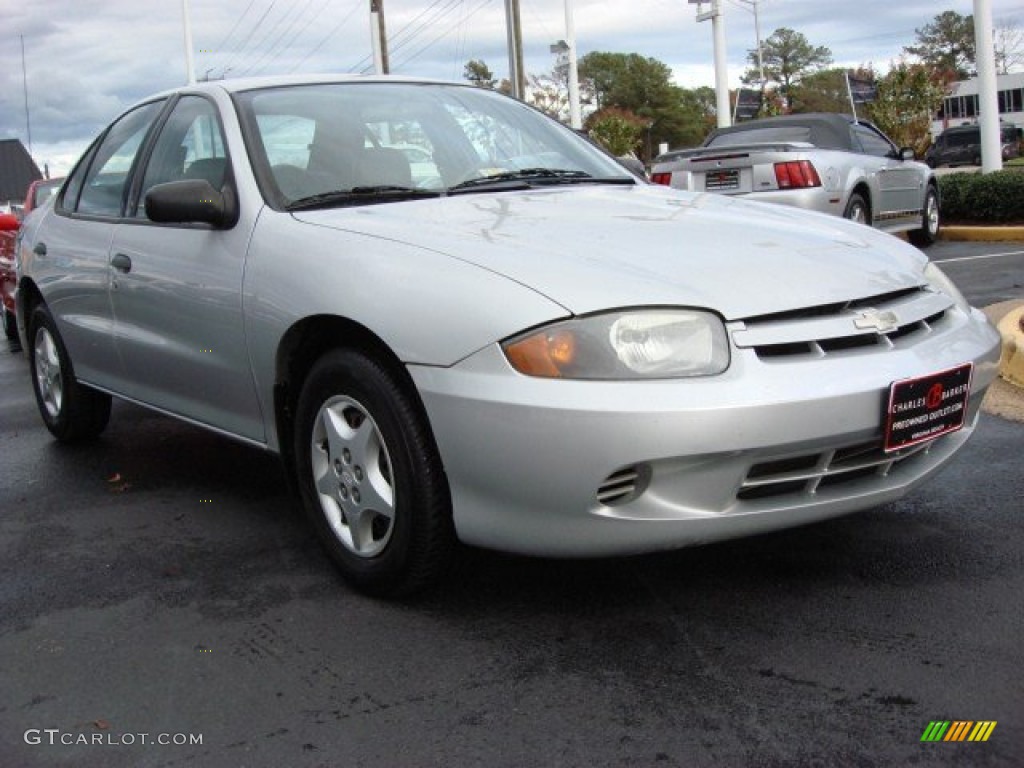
(988, 102)
(575, 115)
(190, 64)
(721, 67)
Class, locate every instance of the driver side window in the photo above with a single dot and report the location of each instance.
(190, 146)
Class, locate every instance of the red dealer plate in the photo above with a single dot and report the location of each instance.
(924, 408)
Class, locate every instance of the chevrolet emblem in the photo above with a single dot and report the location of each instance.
(873, 320)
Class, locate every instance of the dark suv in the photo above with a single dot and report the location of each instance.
(962, 146)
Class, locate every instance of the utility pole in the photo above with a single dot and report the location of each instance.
(516, 75)
(379, 38)
(988, 101)
(190, 65)
(757, 34)
(24, 82)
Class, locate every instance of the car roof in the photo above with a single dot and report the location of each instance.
(827, 129)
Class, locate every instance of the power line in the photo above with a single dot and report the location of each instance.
(396, 42)
(480, 6)
(241, 48)
(299, 32)
(274, 44)
(329, 35)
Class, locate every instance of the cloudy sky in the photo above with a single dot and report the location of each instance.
(87, 60)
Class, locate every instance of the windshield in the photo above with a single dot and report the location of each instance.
(370, 142)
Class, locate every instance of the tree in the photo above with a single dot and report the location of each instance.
(947, 44)
(788, 57)
(478, 73)
(826, 91)
(549, 95)
(618, 130)
(908, 97)
(626, 80)
(1009, 45)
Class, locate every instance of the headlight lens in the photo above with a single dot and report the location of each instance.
(938, 280)
(642, 344)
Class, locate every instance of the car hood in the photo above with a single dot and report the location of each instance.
(591, 248)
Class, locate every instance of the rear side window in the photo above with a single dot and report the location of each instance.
(103, 190)
(775, 133)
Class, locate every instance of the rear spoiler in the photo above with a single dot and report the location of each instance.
(732, 151)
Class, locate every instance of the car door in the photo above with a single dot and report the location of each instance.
(73, 251)
(900, 185)
(176, 294)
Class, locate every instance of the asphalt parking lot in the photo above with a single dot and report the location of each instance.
(159, 585)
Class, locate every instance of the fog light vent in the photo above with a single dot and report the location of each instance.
(623, 485)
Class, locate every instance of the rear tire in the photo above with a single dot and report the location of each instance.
(370, 475)
(930, 223)
(10, 325)
(70, 410)
(857, 209)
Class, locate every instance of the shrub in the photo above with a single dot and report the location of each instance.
(975, 198)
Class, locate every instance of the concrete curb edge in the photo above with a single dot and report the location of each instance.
(981, 234)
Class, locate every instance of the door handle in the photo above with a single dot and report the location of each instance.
(121, 262)
(39, 249)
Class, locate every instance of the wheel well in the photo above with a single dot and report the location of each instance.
(301, 346)
(29, 297)
(862, 190)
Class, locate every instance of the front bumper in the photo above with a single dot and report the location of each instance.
(573, 468)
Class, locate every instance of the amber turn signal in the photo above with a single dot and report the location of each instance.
(545, 353)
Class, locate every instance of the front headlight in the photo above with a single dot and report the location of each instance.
(938, 280)
(638, 344)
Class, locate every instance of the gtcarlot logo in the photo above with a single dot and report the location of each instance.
(55, 737)
(958, 730)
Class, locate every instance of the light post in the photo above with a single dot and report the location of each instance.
(757, 33)
(721, 68)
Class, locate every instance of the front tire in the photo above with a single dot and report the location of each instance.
(857, 209)
(930, 223)
(370, 475)
(71, 411)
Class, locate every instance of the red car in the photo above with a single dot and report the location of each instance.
(39, 192)
(8, 234)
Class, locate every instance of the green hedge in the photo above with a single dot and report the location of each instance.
(975, 198)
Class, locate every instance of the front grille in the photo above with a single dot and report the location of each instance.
(808, 473)
(886, 321)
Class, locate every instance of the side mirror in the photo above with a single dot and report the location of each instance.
(9, 222)
(906, 153)
(192, 201)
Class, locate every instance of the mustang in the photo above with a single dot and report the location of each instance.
(520, 346)
(823, 162)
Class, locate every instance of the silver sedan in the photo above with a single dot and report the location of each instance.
(520, 346)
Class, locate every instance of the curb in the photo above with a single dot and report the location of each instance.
(1011, 360)
(981, 234)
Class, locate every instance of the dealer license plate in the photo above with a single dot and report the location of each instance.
(722, 181)
(924, 408)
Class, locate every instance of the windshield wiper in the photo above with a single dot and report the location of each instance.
(539, 176)
(358, 195)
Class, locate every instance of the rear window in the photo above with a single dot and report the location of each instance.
(774, 133)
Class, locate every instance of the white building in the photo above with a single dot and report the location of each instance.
(960, 107)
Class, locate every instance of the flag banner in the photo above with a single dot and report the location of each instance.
(862, 90)
(748, 103)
